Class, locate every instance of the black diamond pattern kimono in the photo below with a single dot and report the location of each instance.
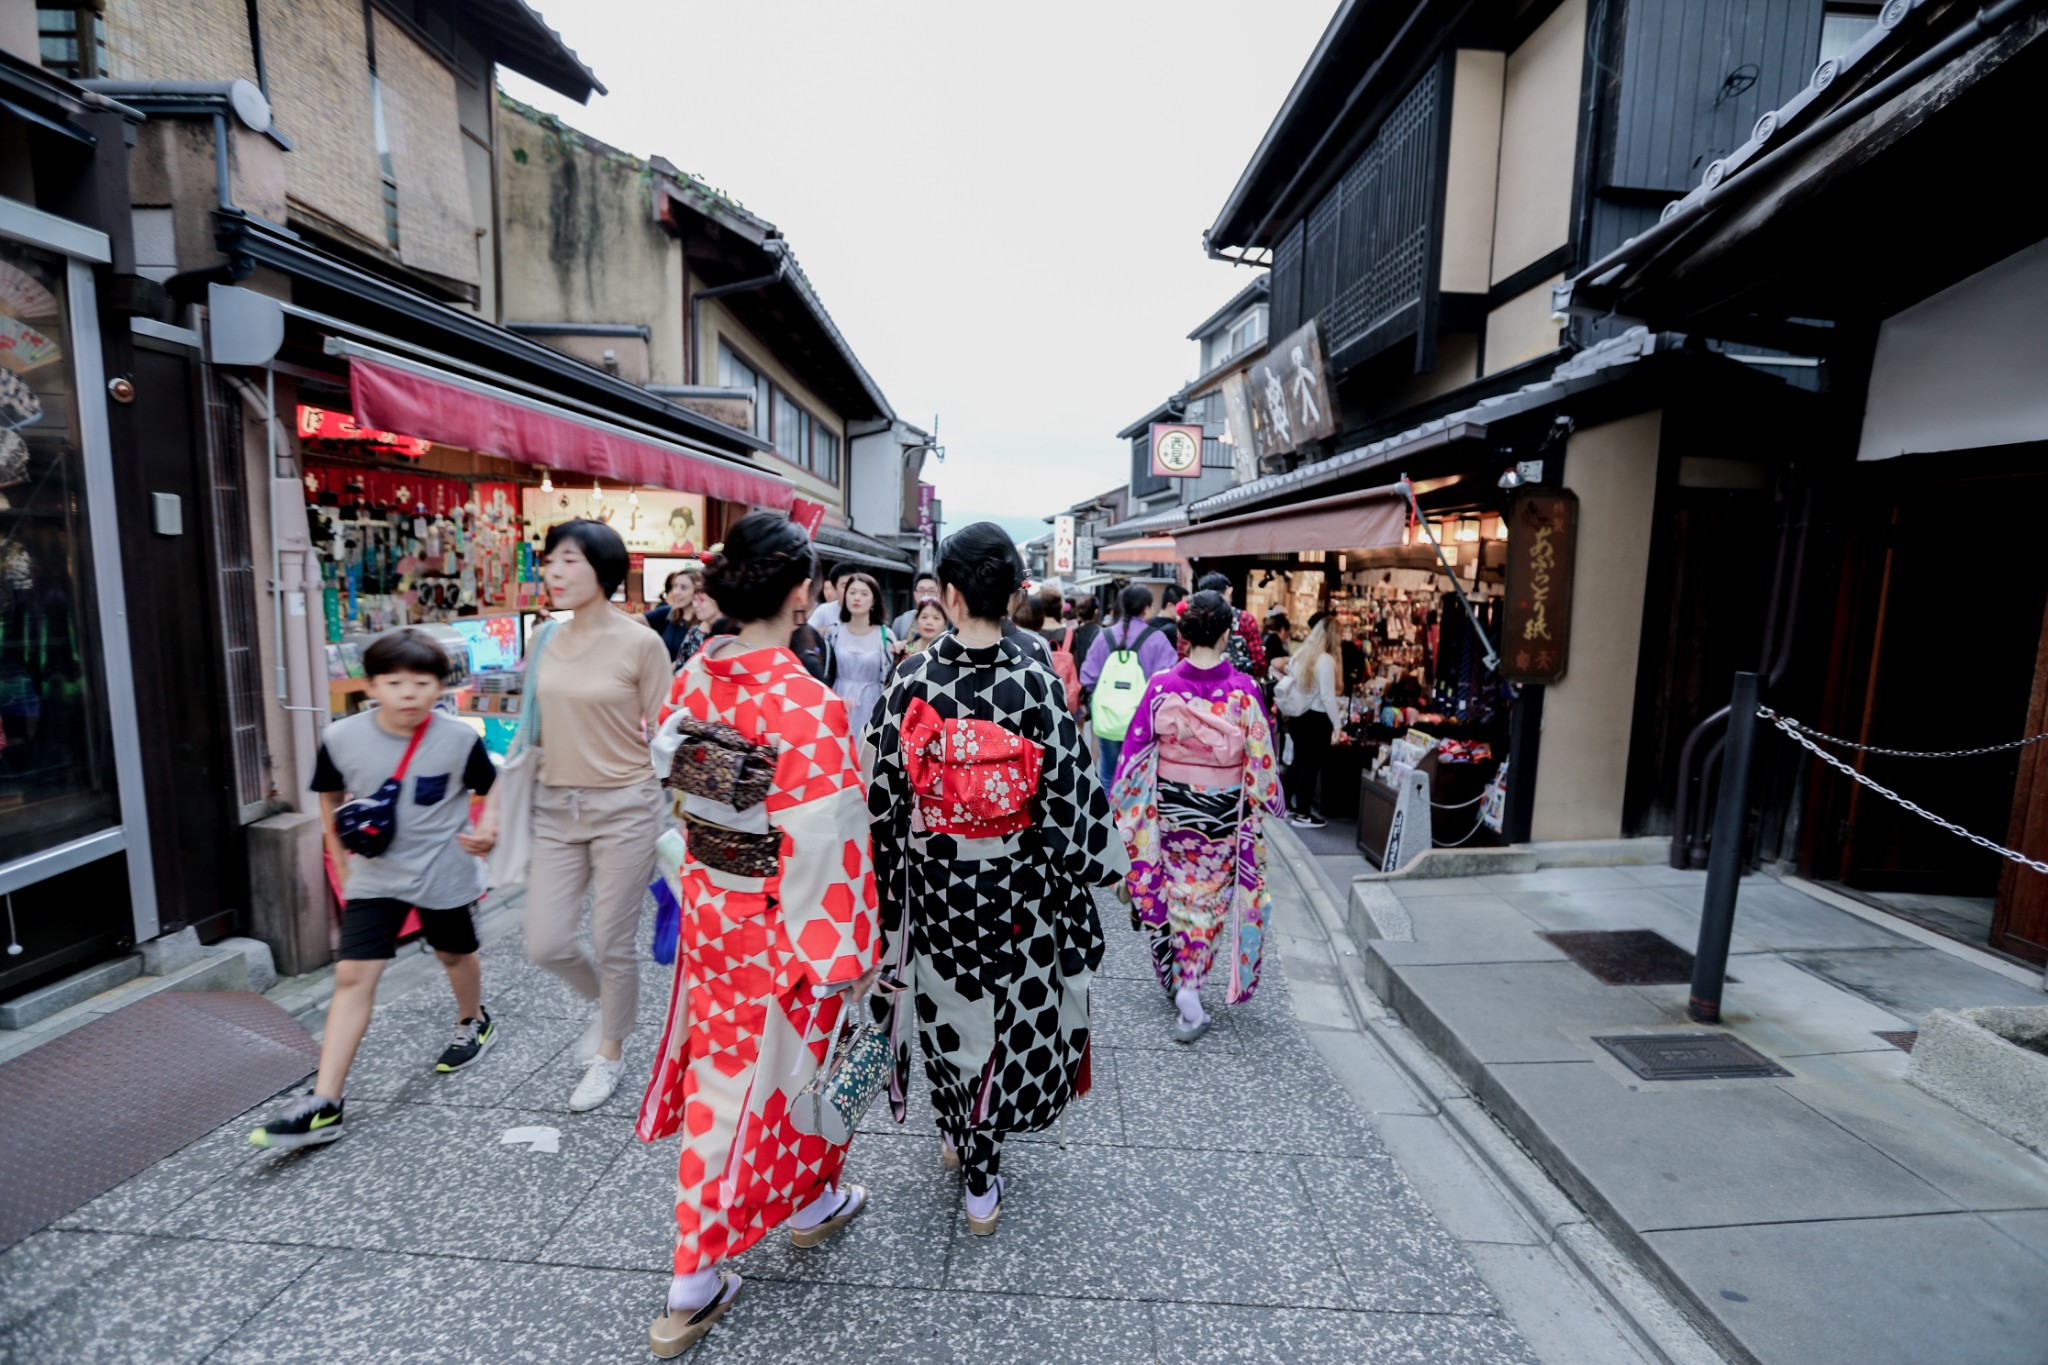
(1004, 937)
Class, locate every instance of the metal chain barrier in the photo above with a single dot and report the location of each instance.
(1458, 805)
(1799, 733)
(1782, 722)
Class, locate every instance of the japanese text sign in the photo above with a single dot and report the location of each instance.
(1542, 533)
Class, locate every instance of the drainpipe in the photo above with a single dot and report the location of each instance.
(697, 297)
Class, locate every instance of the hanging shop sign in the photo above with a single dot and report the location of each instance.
(1062, 544)
(652, 521)
(324, 424)
(1290, 399)
(1542, 533)
(1237, 424)
(927, 495)
(1176, 451)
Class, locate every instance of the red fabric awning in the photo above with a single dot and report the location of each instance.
(1349, 521)
(391, 394)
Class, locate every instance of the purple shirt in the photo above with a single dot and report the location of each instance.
(1155, 655)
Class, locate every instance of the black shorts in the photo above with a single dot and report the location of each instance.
(369, 929)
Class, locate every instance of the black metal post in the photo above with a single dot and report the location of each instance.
(1725, 856)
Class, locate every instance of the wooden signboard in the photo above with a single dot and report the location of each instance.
(1542, 533)
(1290, 399)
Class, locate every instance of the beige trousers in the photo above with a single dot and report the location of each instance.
(601, 840)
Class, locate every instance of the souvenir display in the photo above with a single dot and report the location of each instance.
(22, 347)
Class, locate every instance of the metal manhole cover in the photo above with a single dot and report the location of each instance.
(1690, 1057)
(1903, 1039)
(1624, 957)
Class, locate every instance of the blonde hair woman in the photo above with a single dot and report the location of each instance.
(1315, 717)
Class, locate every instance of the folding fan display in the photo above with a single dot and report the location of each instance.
(23, 296)
(19, 405)
(22, 347)
(13, 459)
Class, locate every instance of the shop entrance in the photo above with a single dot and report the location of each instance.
(1938, 652)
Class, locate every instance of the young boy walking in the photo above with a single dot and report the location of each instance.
(433, 864)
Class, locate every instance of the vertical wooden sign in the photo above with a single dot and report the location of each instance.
(1542, 533)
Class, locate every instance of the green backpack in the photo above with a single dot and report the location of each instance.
(1120, 688)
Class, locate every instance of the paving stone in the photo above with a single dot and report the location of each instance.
(414, 1178)
(1878, 1291)
(1222, 1227)
(1782, 1011)
(1395, 1253)
(1191, 1334)
(817, 1323)
(1556, 879)
(1473, 929)
(1422, 888)
(367, 1308)
(46, 1265)
(1910, 981)
(89, 1295)
(145, 1200)
(628, 1222)
(1276, 1102)
(1522, 1011)
(1776, 916)
(396, 1059)
(1686, 1154)
(1458, 1193)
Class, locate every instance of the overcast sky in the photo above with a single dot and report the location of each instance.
(1001, 206)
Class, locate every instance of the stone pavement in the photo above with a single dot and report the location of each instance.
(1223, 1203)
(1835, 1214)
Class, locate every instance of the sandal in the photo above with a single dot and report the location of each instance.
(849, 1208)
(672, 1333)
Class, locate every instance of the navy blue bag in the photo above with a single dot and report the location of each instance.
(367, 825)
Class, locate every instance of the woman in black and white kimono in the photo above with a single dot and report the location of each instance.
(989, 829)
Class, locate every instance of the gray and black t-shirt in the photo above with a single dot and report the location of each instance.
(424, 866)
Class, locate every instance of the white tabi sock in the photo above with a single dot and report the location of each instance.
(982, 1205)
(689, 1293)
(1189, 998)
(825, 1206)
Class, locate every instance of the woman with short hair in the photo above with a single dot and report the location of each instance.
(989, 829)
(1197, 778)
(596, 684)
(777, 933)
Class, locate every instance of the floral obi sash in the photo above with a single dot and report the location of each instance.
(1199, 746)
(973, 779)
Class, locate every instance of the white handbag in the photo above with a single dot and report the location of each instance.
(517, 777)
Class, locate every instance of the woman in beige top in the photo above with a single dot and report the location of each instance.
(600, 679)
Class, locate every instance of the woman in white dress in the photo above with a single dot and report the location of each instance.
(860, 648)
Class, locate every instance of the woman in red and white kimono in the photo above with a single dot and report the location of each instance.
(779, 933)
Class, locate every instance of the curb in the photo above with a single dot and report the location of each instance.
(1661, 1330)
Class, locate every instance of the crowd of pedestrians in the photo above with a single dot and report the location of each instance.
(882, 836)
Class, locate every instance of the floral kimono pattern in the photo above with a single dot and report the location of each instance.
(986, 865)
(1197, 852)
(745, 1028)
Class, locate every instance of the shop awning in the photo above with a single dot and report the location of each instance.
(389, 392)
(1349, 521)
(1144, 550)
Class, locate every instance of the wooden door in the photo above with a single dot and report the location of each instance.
(2020, 923)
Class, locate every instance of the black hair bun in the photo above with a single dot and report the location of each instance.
(981, 562)
(765, 556)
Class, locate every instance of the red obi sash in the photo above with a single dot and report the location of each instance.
(973, 778)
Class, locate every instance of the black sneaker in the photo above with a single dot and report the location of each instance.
(307, 1122)
(472, 1038)
(1308, 822)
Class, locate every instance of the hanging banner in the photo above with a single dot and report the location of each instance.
(324, 424)
(807, 514)
(1176, 451)
(925, 495)
(1062, 545)
(1237, 421)
(1542, 531)
(1290, 400)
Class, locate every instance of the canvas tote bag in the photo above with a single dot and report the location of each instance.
(518, 776)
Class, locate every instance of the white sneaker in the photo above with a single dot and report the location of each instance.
(600, 1078)
(591, 1039)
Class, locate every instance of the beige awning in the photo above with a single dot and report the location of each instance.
(1144, 550)
(1349, 521)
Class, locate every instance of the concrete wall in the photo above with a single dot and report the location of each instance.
(579, 242)
(1521, 329)
(1473, 172)
(1539, 141)
(720, 325)
(1587, 718)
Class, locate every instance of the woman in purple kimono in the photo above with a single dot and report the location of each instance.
(1197, 774)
